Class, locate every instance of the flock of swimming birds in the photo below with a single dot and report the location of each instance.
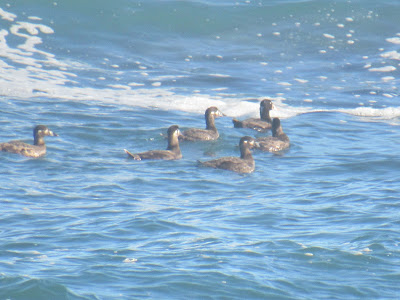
(244, 164)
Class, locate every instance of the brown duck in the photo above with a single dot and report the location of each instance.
(208, 134)
(261, 124)
(172, 152)
(277, 142)
(243, 164)
(36, 150)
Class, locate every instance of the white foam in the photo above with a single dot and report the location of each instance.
(394, 40)
(387, 78)
(119, 86)
(328, 36)
(391, 55)
(32, 29)
(301, 80)
(383, 69)
(22, 54)
(7, 15)
(379, 113)
(219, 75)
(34, 18)
(136, 84)
(130, 260)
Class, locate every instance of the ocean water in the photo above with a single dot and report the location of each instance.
(319, 221)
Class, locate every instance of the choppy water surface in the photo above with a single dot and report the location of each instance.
(319, 221)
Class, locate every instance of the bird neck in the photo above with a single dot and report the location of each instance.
(210, 123)
(264, 114)
(245, 153)
(173, 143)
(277, 132)
(38, 140)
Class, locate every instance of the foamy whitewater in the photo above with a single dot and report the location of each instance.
(319, 221)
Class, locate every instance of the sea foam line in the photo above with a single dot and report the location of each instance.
(34, 81)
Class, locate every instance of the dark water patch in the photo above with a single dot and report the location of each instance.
(22, 288)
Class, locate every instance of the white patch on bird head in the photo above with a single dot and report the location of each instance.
(218, 113)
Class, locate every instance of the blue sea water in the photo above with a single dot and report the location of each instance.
(319, 221)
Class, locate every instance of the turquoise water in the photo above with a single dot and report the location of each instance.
(319, 221)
